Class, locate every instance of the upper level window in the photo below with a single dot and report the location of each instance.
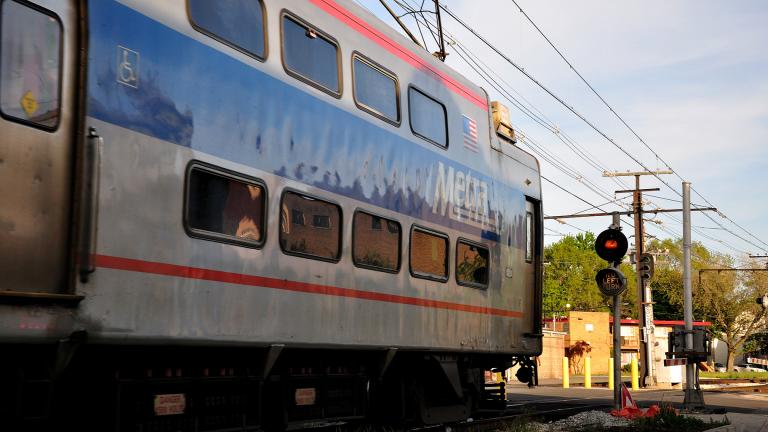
(225, 207)
(374, 247)
(471, 264)
(428, 117)
(529, 233)
(429, 254)
(375, 89)
(30, 66)
(311, 56)
(321, 239)
(239, 23)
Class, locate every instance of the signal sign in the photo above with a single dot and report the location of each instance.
(646, 266)
(611, 281)
(611, 245)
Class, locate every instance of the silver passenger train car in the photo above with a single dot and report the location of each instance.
(252, 214)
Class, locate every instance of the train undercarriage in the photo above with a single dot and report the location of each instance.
(76, 385)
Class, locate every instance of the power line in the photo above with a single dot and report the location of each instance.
(621, 119)
(554, 160)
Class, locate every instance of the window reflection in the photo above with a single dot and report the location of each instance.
(321, 238)
(373, 246)
(30, 66)
(429, 254)
(427, 117)
(375, 90)
(309, 54)
(471, 264)
(237, 22)
(226, 206)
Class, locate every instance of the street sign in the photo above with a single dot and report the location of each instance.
(611, 281)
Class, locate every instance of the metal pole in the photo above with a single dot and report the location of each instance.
(617, 352)
(687, 290)
(616, 335)
(694, 398)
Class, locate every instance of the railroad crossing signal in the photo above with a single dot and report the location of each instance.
(611, 281)
(611, 245)
(646, 266)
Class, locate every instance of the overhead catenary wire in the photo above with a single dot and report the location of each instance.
(632, 130)
(545, 122)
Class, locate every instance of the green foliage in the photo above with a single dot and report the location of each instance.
(727, 298)
(668, 420)
(569, 277)
(735, 375)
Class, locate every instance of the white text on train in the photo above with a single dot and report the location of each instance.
(467, 195)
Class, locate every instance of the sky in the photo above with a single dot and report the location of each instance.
(690, 77)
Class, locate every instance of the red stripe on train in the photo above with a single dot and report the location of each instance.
(140, 266)
(393, 47)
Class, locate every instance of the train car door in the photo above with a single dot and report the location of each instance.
(532, 256)
(38, 56)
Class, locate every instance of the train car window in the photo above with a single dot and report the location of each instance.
(321, 221)
(529, 236)
(375, 89)
(319, 240)
(471, 264)
(297, 217)
(428, 117)
(374, 247)
(238, 23)
(30, 67)
(225, 207)
(429, 254)
(311, 56)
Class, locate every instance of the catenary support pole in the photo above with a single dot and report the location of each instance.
(693, 396)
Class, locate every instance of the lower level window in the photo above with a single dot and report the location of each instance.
(374, 247)
(320, 239)
(471, 264)
(225, 207)
(429, 254)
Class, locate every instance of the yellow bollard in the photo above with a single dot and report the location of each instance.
(566, 381)
(635, 384)
(588, 373)
(610, 373)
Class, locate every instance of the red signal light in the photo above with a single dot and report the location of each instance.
(611, 244)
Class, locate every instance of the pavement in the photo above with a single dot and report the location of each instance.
(746, 411)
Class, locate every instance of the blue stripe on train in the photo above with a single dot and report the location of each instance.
(195, 96)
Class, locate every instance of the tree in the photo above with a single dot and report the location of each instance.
(727, 299)
(569, 276)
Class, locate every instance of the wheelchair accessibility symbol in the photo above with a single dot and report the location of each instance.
(127, 67)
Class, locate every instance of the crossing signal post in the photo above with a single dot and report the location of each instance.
(611, 245)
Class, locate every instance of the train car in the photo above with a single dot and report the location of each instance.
(252, 215)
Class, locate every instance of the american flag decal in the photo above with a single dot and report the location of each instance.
(470, 134)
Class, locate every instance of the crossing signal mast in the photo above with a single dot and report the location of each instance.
(611, 245)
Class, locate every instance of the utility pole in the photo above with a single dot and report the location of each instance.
(694, 398)
(644, 297)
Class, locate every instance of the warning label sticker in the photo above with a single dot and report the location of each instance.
(29, 103)
(170, 404)
(305, 396)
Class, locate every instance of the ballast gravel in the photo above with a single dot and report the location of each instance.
(582, 419)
